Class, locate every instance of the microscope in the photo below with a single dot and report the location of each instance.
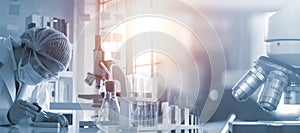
(277, 73)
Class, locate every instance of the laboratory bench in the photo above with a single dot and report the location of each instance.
(79, 125)
(82, 125)
(215, 127)
(210, 127)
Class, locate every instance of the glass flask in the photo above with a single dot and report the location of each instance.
(110, 109)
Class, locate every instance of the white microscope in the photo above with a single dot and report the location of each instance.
(278, 72)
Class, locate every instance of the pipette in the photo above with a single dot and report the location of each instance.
(40, 109)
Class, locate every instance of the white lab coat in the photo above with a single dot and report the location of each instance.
(8, 94)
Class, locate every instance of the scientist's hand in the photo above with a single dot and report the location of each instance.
(51, 117)
(21, 110)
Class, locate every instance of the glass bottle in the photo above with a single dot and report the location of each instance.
(110, 109)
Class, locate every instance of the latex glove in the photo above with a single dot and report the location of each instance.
(51, 117)
(20, 110)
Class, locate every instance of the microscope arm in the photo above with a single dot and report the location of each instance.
(283, 35)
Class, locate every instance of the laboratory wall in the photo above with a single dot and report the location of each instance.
(14, 12)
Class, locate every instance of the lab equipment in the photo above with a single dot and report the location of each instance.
(21, 110)
(249, 83)
(143, 114)
(292, 94)
(140, 102)
(41, 111)
(279, 70)
(271, 93)
(110, 109)
(90, 78)
(100, 74)
(49, 43)
(279, 76)
(143, 102)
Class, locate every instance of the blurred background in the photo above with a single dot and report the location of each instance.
(201, 48)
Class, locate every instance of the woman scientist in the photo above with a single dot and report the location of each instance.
(24, 68)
